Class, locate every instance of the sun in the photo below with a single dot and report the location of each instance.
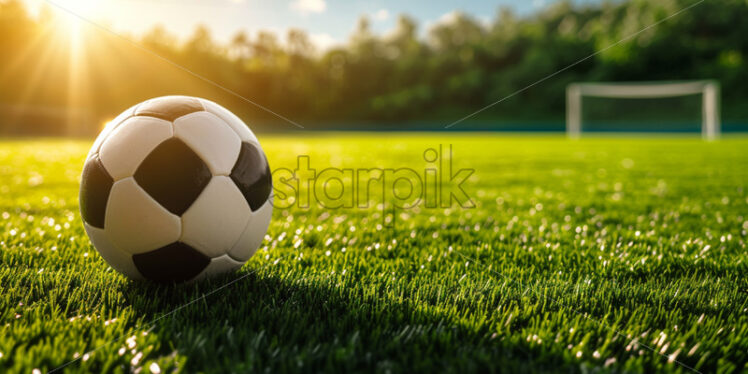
(71, 13)
(85, 7)
(77, 12)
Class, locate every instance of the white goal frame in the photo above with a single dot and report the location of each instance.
(709, 90)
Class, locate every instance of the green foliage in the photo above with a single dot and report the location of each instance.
(460, 66)
(577, 255)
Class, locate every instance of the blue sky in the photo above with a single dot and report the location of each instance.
(327, 21)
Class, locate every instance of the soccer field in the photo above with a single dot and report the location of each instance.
(606, 254)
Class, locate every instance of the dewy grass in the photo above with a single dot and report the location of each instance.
(582, 253)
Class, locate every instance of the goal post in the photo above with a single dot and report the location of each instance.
(708, 89)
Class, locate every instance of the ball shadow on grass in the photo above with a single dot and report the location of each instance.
(268, 323)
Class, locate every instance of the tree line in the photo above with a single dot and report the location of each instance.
(401, 79)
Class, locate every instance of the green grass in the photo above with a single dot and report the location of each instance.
(577, 255)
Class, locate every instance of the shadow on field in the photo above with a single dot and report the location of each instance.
(268, 323)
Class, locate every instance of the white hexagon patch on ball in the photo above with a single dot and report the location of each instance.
(176, 188)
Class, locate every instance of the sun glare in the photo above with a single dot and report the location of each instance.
(82, 7)
(70, 25)
(77, 11)
(70, 13)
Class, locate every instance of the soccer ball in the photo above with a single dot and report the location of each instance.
(176, 188)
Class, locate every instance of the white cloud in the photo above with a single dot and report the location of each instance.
(538, 3)
(448, 18)
(381, 15)
(323, 41)
(445, 19)
(309, 6)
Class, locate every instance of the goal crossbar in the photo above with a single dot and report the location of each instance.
(709, 89)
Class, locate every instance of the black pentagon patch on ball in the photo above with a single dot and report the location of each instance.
(96, 183)
(169, 108)
(251, 173)
(173, 175)
(176, 262)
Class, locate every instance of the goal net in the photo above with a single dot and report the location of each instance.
(644, 107)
